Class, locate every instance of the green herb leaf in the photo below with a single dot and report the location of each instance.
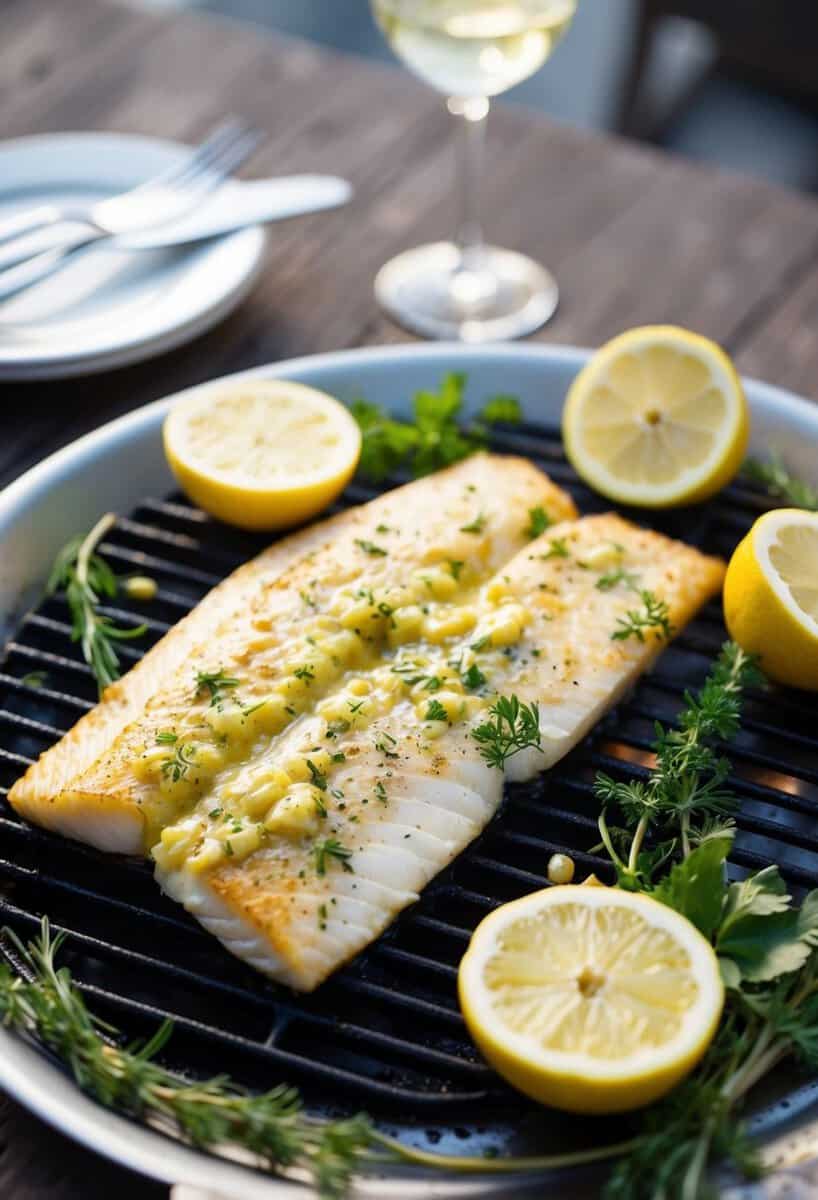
(557, 548)
(653, 616)
(435, 712)
(538, 522)
(317, 778)
(84, 577)
(370, 548)
(695, 886)
(760, 933)
(513, 726)
(501, 409)
(216, 684)
(329, 849)
(475, 526)
(774, 477)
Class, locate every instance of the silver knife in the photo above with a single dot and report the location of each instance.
(235, 206)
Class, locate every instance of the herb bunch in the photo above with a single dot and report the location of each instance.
(512, 726)
(674, 845)
(86, 579)
(434, 438)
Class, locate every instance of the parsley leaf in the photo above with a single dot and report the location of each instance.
(371, 548)
(435, 712)
(475, 526)
(654, 615)
(761, 934)
(695, 886)
(433, 438)
(538, 522)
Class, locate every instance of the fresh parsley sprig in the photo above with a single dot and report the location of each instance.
(216, 684)
(766, 945)
(433, 439)
(85, 579)
(513, 726)
(779, 483)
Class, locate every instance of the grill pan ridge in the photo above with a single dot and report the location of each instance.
(385, 1033)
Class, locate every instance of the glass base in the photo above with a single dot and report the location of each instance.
(432, 292)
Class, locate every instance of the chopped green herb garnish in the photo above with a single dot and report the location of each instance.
(380, 792)
(610, 579)
(356, 705)
(317, 778)
(339, 757)
(305, 673)
(176, 767)
(473, 678)
(215, 813)
(166, 738)
(216, 683)
(538, 522)
(475, 526)
(370, 548)
(557, 548)
(435, 712)
(330, 848)
(456, 565)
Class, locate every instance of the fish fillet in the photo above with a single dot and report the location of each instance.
(378, 800)
(154, 743)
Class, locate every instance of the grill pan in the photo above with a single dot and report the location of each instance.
(384, 1034)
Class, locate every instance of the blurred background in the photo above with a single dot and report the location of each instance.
(733, 82)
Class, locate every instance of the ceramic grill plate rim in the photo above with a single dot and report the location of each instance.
(124, 462)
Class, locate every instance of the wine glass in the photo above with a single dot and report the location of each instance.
(470, 50)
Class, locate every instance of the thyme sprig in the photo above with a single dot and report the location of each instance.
(42, 1001)
(653, 615)
(766, 946)
(779, 483)
(513, 726)
(85, 579)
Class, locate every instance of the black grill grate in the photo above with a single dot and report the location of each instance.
(385, 1032)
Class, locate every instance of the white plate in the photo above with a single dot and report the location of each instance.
(119, 464)
(111, 307)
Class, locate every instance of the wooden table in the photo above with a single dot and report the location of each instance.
(632, 235)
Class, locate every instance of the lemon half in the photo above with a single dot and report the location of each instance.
(593, 1000)
(657, 418)
(771, 595)
(261, 454)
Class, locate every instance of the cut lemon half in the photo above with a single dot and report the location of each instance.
(593, 1000)
(771, 595)
(261, 454)
(657, 418)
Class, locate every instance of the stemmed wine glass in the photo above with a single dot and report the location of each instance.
(470, 50)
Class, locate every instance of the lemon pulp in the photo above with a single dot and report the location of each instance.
(771, 596)
(261, 454)
(590, 999)
(657, 417)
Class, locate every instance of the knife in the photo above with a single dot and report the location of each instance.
(236, 205)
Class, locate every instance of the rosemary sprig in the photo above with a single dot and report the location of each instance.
(85, 578)
(777, 481)
(44, 1002)
(653, 615)
(216, 684)
(513, 726)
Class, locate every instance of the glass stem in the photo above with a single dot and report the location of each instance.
(471, 115)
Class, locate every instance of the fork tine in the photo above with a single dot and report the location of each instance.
(221, 164)
(220, 137)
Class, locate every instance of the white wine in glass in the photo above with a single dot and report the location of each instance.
(470, 50)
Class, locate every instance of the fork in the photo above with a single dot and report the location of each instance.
(32, 267)
(164, 198)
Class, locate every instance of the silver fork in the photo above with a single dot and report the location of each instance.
(30, 268)
(164, 198)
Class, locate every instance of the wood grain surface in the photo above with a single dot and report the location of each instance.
(632, 235)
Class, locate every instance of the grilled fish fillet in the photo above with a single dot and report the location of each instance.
(268, 643)
(378, 798)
